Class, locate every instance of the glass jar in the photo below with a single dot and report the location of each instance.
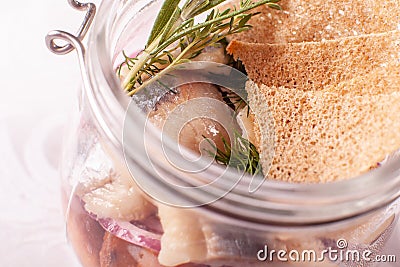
(346, 223)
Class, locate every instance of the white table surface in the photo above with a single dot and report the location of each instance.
(37, 92)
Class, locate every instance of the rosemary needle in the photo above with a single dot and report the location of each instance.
(175, 38)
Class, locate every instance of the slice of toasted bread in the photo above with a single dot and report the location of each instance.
(317, 20)
(315, 65)
(323, 136)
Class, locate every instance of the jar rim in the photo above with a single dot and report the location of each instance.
(275, 202)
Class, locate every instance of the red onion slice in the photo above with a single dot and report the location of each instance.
(132, 234)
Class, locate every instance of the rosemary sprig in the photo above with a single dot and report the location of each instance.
(176, 38)
(242, 154)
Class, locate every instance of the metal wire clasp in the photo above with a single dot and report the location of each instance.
(73, 42)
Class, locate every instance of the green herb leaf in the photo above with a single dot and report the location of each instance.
(175, 38)
(196, 7)
(241, 154)
(274, 6)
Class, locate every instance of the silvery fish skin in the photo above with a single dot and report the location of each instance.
(190, 237)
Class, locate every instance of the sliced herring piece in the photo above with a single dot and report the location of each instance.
(183, 239)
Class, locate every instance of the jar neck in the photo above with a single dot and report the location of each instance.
(273, 203)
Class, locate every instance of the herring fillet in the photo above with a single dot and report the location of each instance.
(183, 240)
(190, 237)
(117, 200)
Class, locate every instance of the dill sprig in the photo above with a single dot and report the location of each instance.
(176, 38)
(235, 101)
(241, 154)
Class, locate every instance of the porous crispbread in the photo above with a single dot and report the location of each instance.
(330, 74)
(305, 20)
(369, 59)
(378, 81)
(323, 136)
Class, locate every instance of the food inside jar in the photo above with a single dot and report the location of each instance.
(332, 87)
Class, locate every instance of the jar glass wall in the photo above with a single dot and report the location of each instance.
(113, 221)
